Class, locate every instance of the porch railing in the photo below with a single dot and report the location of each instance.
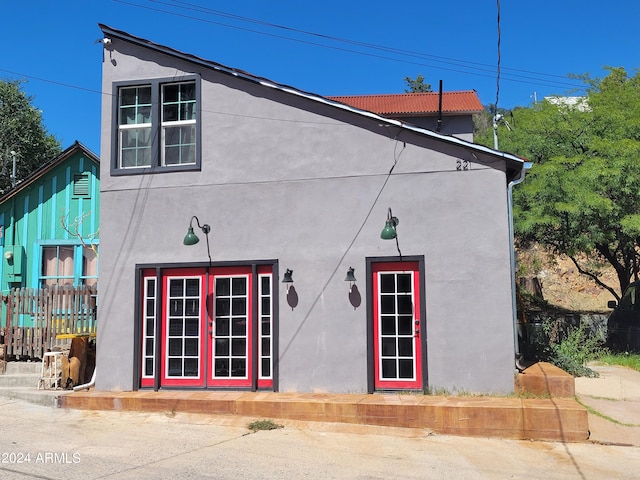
(36, 318)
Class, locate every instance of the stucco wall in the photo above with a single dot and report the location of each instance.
(287, 178)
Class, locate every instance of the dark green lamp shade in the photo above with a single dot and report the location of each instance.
(388, 232)
(190, 238)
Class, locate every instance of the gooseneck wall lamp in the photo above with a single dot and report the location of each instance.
(191, 238)
(389, 231)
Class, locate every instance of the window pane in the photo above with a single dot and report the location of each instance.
(223, 307)
(387, 304)
(191, 347)
(389, 347)
(49, 261)
(191, 327)
(238, 327)
(405, 347)
(238, 367)
(135, 147)
(238, 347)
(239, 306)
(387, 283)
(388, 325)
(222, 347)
(404, 282)
(135, 105)
(175, 367)
(388, 369)
(405, 305)
(222, 327)
(222, 367)
(175, 307)
(223, 287)
(190, 367)
(406, 368)
(239, 286)
(405, 325)
(179, 145)
(176, 288)
(90, 266)
(266, 367)
(193, 287)
(191, 307)
(175, 327)
(175, 347)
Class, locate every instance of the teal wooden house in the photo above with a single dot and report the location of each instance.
(50, 224)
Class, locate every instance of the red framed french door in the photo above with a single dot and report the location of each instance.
(230, 331)
(397, 326)
(207, 327)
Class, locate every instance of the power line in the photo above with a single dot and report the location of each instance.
(406, 53)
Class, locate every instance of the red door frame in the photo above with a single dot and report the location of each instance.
(397, 266)
(159, 305)
(246, 381)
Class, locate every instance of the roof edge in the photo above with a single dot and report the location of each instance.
(109, 31)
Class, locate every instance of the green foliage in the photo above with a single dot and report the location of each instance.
(567, 347)
(581, 198)
(416, 85)
(22, 131)
(263, 425)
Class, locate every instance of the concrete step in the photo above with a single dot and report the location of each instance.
(23, 368)
(46, 398)
(10, 380)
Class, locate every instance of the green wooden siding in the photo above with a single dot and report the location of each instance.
(31, 218)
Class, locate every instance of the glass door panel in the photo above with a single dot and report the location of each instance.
(396, 326)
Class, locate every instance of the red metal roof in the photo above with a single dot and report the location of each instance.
(414, 104)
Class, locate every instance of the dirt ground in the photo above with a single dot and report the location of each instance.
(562, 284)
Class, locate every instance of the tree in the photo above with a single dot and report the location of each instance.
(416, 85)
(22, 132)
(581, 198)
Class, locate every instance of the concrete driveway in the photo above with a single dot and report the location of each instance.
(47, 443)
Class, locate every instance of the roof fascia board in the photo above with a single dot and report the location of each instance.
(108, 31)
(50, 165)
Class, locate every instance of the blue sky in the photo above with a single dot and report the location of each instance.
(328, 48)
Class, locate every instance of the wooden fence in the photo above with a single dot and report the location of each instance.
(37, 320)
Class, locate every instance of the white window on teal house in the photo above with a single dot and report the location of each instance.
(68, 265)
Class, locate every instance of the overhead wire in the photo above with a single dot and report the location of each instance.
(459, 63)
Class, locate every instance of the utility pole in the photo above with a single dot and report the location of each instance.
(13, 174)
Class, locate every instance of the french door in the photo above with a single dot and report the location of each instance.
(397, 326)
(207, 327)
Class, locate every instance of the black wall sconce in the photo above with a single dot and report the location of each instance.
(354, 295)
(292, 295)
(191, 238)
(351, 278)
(288, 278)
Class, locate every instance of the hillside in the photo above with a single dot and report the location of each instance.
(562, 285)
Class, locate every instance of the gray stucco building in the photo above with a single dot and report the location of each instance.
(299, 186)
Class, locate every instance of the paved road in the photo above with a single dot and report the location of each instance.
(71, 444)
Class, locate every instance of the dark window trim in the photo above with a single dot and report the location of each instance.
(156, 127)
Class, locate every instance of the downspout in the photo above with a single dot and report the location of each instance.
(512, 254)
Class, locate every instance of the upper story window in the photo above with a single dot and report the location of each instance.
(157, 126)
